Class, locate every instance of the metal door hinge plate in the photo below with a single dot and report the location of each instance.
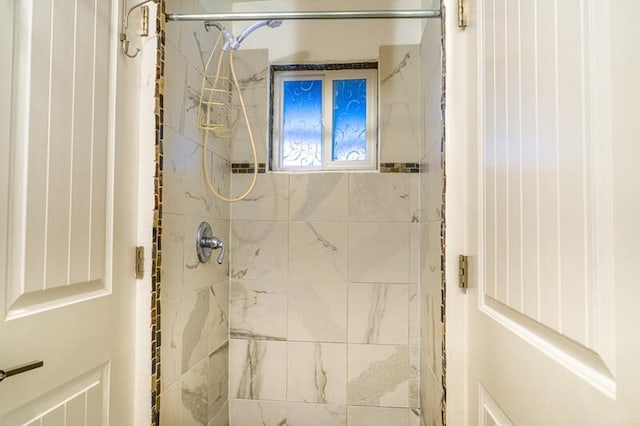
(463, 272)
(462, 21)
(139, 262)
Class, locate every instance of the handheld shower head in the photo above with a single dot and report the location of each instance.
(259, 24)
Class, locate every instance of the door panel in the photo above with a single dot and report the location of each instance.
(84, 397)
(569, 308)
(62, 175)
(548, 338)
(490, 412)
(68, 213)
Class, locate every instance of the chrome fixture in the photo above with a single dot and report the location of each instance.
(232, 42)
(206, 243)
(285, 16)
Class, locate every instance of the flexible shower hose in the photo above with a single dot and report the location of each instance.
(207, 173)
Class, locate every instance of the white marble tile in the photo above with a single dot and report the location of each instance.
(222, 418)
(172, 258)
(319, 197)
(430, 248)
(414, 376)
(431, 186)
(317, 372)
(400, 132)
(415, 246)
(378, 416)
(378, 375)
(378, 313)
(195, 42)
(259, 250)
(197, 275)
(173, 32)
(431, 401)
(173, 173)
(414, 314)
(431, 85)
(258, 310)
(269, 199)
(196, 195)
(170, 405)
(252, 413)
(431, 335)
(169, 351)
(414, 196)
(195, 395)
(399, 73)
(379, 252)
(185, 329)
(241, 150)
(317, 312)
(219, 315)
(220, 175)
(257, 369)
(318, 250)
(252, 71)
(192, 105)
(299, 414)
(218, 380)
(174, 89)
(380, 197)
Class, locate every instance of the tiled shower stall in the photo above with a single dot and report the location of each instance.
(327, 309)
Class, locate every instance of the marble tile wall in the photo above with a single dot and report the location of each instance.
(194, 297)
(432, 374)
(324, 292)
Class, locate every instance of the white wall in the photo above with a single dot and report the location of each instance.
(301, 41)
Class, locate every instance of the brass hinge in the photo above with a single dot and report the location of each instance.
(462, 22)
(139, 262)
(145, 21)
(463, 272)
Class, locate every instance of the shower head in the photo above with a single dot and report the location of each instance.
(259, 24)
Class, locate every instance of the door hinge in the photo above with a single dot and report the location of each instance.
(462, 22)
(139, 262)
(463, 272)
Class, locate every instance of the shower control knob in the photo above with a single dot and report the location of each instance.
(206, 243)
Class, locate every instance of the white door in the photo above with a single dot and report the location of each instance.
(67, 214)
(551, 205)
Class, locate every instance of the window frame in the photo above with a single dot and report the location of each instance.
(328, 74)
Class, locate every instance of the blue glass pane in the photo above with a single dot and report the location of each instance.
(302, 123)
(349, 139)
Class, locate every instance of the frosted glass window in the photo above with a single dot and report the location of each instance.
(302, 123)
(349, 135)
(323, 117)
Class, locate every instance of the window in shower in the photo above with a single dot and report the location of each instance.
(324, 117)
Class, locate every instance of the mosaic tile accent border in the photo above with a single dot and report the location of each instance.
(443, 227)
(156, 255)
(245, 168)
(399, 167)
